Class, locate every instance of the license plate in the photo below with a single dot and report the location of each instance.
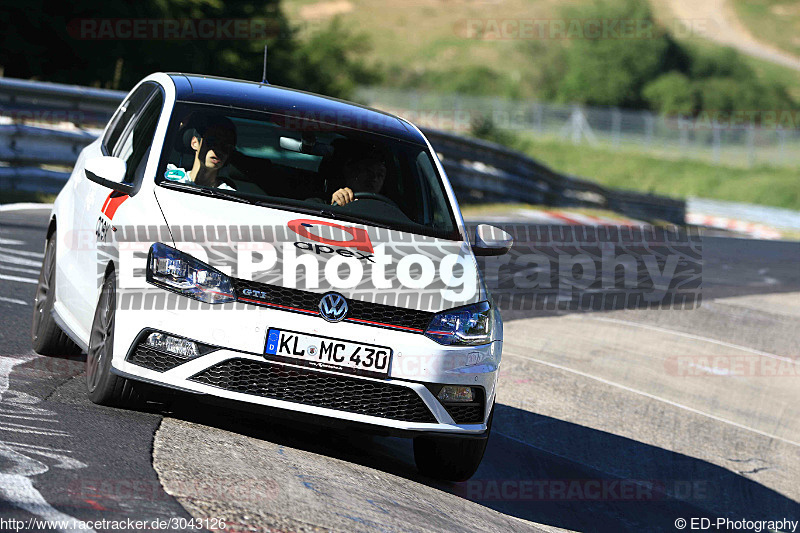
(327, 353)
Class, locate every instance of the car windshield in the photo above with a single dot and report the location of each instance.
(306, 166)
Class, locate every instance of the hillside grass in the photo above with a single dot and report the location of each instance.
(776, 22)
(429, 36)
(631, 170)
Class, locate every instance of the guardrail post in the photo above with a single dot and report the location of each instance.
(538, 117)
(717, 142)
(648, 129)
(616, 124)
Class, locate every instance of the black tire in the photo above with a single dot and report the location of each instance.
(47, 337)
(105, 388)
(450, 458)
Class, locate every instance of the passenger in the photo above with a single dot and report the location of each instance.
(364, 173)
(213, 142)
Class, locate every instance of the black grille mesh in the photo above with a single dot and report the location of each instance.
(343, 393)
(465, 414)
(360, 310)
(154, 359)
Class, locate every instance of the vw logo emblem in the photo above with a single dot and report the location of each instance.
(333, 307)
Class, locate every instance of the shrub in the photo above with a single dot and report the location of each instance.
(671, 94)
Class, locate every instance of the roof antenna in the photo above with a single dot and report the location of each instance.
(264, 75)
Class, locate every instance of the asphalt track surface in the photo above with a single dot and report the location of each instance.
(596, 428)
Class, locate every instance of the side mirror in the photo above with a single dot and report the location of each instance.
(490, 240)
(109, 172)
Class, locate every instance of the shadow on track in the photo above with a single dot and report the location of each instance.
(640, 487)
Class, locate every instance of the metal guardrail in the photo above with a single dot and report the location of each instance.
(479, 171)
(482, 171)
(47, 124)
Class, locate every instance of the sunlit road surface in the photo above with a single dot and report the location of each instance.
(606, 421)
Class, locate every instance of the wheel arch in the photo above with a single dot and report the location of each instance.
(51, 228)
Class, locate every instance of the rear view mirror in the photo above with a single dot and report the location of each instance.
(109, 172)
(307, 145)
(491, 240)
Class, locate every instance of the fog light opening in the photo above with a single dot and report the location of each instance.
(456, 393)
(173, 345)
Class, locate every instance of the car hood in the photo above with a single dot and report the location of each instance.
(296, 250)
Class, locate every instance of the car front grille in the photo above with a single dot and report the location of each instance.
(307, 387)
(307, 302)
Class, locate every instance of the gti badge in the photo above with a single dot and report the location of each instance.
(333, 307)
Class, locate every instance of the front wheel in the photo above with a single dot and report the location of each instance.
(104, 387)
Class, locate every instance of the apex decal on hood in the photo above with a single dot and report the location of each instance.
(360, 238)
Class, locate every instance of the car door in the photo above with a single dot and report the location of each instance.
(96, 205)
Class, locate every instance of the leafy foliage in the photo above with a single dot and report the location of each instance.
(671, 93)
(654, 71)
(45, 42)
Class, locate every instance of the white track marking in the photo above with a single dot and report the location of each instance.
(28, 418)
(13, 301)
(19, 490)
(21, 280)
(11, 241)
(31, 430)
(20, 261)
(693, 337)
(25, 206)
(654, 397)
(18, 269)
(26, 253)
(16, 485)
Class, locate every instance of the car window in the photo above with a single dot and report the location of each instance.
(136, 145)
(124, 116)
(301, 166)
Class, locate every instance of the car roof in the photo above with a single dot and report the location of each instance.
(301, 105)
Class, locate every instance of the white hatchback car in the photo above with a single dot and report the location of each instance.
(246, 242)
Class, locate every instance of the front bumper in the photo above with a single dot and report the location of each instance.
(237, 371)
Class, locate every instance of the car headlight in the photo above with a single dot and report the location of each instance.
(468, 325)
(176, 271)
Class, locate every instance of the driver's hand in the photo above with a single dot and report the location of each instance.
(343, 196)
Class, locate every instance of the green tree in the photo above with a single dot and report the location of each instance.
(44, 42)
(603, 70)
(672, 93)
(330, 61)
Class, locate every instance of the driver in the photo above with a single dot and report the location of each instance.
(361, 174)
(213, 142)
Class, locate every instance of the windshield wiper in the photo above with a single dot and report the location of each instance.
(321, 212)
(350, 218)
(216, 193)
